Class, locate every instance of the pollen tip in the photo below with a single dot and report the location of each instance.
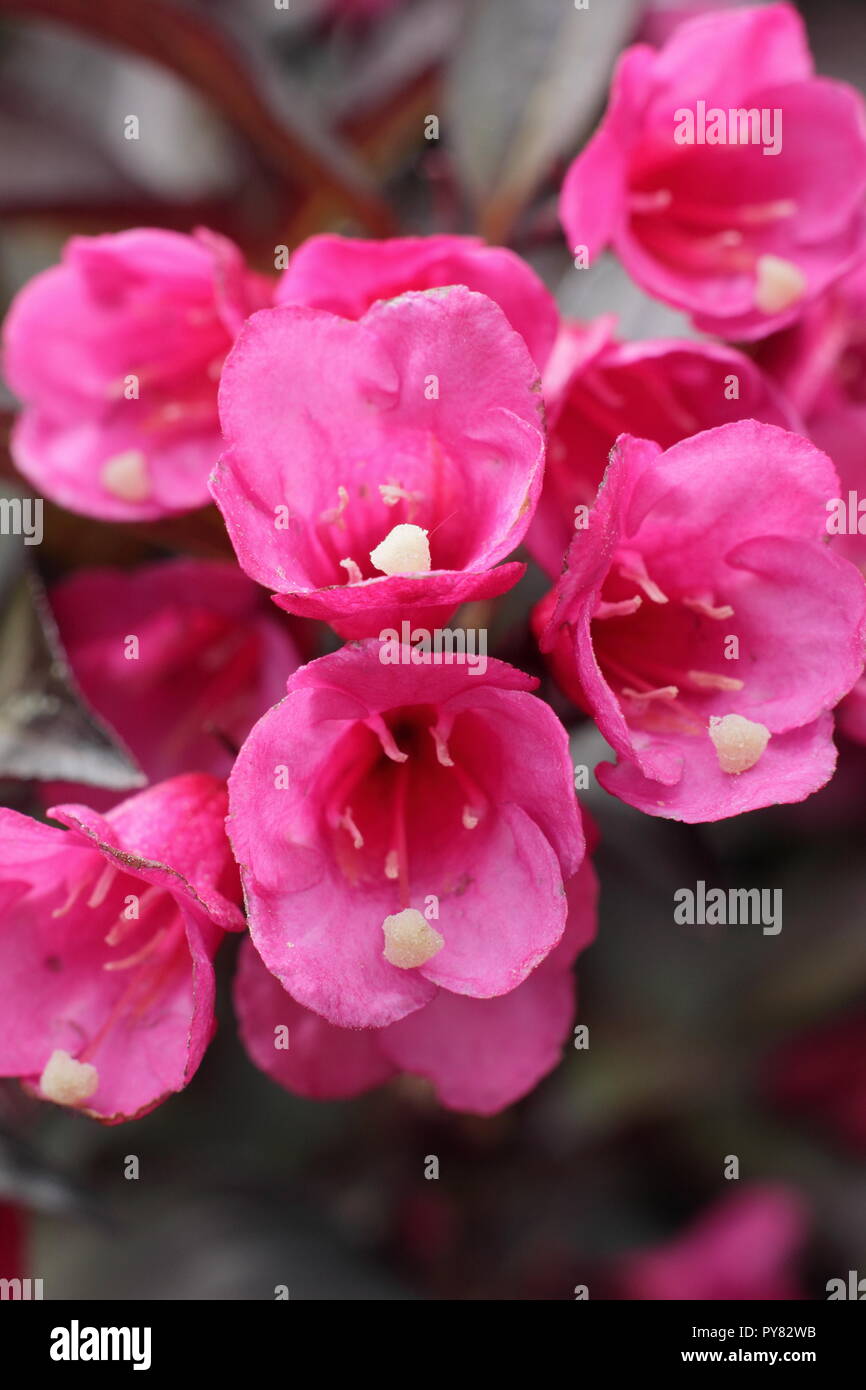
(66, 1081)
(353, 572)
(779, 284)
(405, 550)
(410, 940)
(739, 742)
(125, 476)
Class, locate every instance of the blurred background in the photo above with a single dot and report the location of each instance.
(269, 123)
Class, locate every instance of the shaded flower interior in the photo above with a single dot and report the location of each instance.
(430, 500)
(656, 400)
(408, 785)
(738, 222)
(222, 656)
(125, 929)
(663, 656)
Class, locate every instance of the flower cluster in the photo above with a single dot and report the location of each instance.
(381, 429)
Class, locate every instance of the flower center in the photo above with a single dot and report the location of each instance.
(146, 922)
(694, 234)
(670, 693)
(401, 762)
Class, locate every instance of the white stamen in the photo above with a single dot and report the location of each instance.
(663, 692)
(348, 820)
(71, 899)
(624, 609)
(392, 493)
(711, 680)
(443, 756)
(125, 926)
(138, 956)
(739, 742)
(353, 572)
(778, 285)
(470, 818)
(656, 201)
(66, 1081)
(386, 738)
(756, 213)
(708, 609)
(125, 476)
(633, 568)
(392, 864)
(410, 940)
(405, 550)
(334, 514)
(103, 883)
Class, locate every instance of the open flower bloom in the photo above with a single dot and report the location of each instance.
(403, 829)
(596, 389)
(479, 1054)
(347, 276)
(820, 361)
(728, 177)
(380, 469)
(116, 355)
(107, 935)
(180, 658)
(705, 623)
(743, 1248)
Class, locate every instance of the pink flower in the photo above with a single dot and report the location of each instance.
(706, 626)
(820, 361)
(379, 470)
(180, 658)
(116, 354)
(107, 935)
(403, 829)
(596, 389)
(480, 1055)
(347, 276)
(740, 234)
(820, 364)
(743, 1247)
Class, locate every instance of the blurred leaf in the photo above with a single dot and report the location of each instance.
(524, 88)
(46, 730)
(607, 288)
(415, 39)
(35, 1183)
(184, 41)
(70, 537)
(45, 163)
